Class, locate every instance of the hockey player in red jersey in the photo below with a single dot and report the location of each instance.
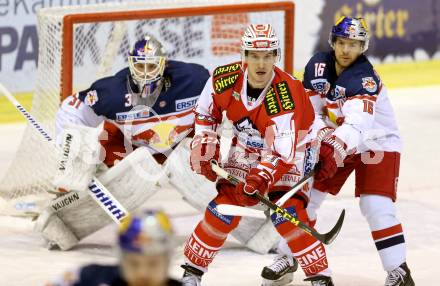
(272, 118)
(348, 95)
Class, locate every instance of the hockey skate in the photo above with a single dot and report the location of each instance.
(320, 280)
(280, 272)
(401, 276)
(192, 276)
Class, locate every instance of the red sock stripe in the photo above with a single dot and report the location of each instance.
(386, 232)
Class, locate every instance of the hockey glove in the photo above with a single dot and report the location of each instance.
(204, 148)
(256, 181)
(331, 154)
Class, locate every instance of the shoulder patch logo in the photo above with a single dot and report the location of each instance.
(320, 85)
(339, 92)
(369, 84)
(226, 69)
(285, 96)
(271, 103)
(91, 98)
(223, 83)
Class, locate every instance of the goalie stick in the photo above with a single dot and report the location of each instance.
(325, 238)
(96, 190)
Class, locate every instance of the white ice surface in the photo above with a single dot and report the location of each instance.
(353, 257)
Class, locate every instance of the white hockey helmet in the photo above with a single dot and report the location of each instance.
(260, 37)
(350, 28)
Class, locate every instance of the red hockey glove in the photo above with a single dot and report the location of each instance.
(204, 148)
(256, 181)
(331, 154)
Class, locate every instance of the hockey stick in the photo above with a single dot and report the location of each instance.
(325, 238)
(96, 190)
(244, 211)
(241, 211)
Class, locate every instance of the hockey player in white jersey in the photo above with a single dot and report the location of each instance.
(348, 95)
(121, 130)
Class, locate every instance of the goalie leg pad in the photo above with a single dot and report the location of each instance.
(78, 157)
(256, 234)
(53, 229)
(132, 181)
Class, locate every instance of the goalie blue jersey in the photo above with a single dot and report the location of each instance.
(159, 127)
(110, 96)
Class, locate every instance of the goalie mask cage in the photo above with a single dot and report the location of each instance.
(80, 44)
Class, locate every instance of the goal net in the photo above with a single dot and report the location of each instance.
(80, 44)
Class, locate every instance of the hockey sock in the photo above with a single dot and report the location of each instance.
(386, 230)
(209, 235)
(309, 252)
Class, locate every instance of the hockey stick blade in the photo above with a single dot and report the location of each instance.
(248, 212)
(234, 210)
(325, 238)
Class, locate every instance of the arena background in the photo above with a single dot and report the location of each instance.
(405, 49)
(404, 45)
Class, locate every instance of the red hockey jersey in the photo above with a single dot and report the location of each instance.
(267, 131)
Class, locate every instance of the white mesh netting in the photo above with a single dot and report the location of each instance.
(100, 49)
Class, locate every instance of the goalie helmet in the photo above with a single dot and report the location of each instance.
(146, 62)
(148, 232)
(260, 37)
(350, 28)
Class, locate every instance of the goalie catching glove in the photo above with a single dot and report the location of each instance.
(204, 148)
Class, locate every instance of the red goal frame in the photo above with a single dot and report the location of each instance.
(70, 20)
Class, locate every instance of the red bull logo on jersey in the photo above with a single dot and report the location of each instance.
(369, 84)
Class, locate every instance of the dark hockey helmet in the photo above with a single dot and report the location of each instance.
(350, 28)
(146, 61)
(148, 232)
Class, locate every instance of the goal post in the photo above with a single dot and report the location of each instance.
(80, 44)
